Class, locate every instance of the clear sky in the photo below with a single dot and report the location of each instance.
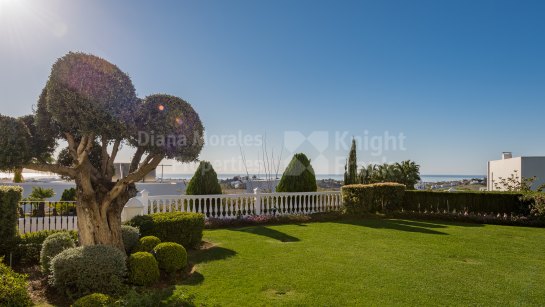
(449, 84)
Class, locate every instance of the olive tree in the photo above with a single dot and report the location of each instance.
(87, 111)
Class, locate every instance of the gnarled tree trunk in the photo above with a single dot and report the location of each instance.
(99, 222)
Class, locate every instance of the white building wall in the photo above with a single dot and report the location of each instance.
(521, 167)
(504, 169)
(534, 166)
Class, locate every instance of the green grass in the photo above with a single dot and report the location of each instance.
(370, 262)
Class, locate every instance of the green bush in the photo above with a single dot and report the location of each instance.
(52, 246)
(131, 236)
(94, 300)
(9, 204)
(87, 269)
(147, 243)
(299, 176)
(204, 181)
(69, 194)
(372, 198)
(29, 245)
(171, 256)
(64, 208)
(481, 202)
(143, 269)
(13, 287)
(184, 228)
(153, 298)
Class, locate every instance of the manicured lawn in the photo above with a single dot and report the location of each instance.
(370, 262)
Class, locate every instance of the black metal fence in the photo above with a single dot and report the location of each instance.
(47, 215)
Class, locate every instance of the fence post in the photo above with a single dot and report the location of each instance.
(144, 199)
(257, 201)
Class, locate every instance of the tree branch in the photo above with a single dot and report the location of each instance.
(71, 145)
(136, 159)
(133, 177)
(52, 168)
(110, 165)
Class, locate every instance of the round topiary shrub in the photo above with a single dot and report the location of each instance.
(94, 300)
(171, 256)
(53, 245)
(131, 236)
(13, 288)
(87, 269)
(143, 269)
(147, 243)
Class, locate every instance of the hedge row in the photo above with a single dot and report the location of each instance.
(9, 203)
(372, 198)
(184, 228)
(484, 202)
(388, 197)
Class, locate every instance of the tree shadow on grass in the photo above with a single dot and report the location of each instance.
(267, 232)
(401, 225)
(211, 254)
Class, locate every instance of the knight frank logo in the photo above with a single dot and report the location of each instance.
(295, 139)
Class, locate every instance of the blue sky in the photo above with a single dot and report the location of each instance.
(460, 81)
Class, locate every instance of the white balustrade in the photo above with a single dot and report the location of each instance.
(235, 205)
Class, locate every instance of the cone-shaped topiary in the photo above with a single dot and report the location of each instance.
(299, 176)
(204, 181)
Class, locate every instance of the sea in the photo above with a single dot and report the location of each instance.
(180, 176)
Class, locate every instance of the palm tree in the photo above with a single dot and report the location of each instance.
(40, 194)
(408, 173)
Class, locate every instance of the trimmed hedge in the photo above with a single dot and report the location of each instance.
(94, 300)
(147, 244)
(371, 198)
(29, 245)
(170, 256)
(483, 202)
(143, 269)
(13, 288)
(83, 270)
(9, 204)
(130, 236)
(52, 246)
(184, 228)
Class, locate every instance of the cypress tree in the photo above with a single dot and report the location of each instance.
(351, 167)
(299, 176)
(204, 181)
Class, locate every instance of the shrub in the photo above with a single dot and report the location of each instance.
(87, 269)
(497, 202)
(148, 298)
(299, 176)
(54, 245)
(147, 243)
(204, 181)
(64, 208)
(184, 228)
(143, 269)
(9, 203)
(537, 204)
(29, 245)
(13, 287)
(371, 198)
(130, 235)
(94, 300)
(171, 256)
(69, 194)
